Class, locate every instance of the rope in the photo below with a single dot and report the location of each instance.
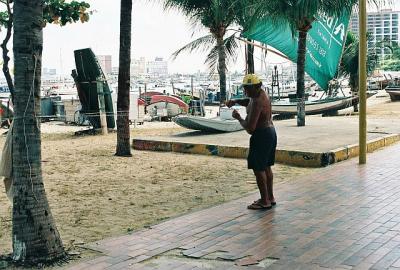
(23, 120)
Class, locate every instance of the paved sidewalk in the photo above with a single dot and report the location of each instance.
(343, 217)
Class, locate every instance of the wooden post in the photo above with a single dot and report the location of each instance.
(102, 107)
(191, 85)
(362, 64)
(145, 98)
(173, 87)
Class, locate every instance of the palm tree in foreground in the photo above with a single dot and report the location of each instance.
(300, 14)
(34, 233)
(123, 135)
(216, 16)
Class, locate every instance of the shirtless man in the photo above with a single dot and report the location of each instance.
(258, 124)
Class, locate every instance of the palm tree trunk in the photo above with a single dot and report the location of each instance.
(123, 135)
(34, 234)
(221, 68)
(301, 61)
(250, 58)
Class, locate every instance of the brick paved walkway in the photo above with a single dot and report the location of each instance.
(343, 217)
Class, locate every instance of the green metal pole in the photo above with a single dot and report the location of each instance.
(362, 65)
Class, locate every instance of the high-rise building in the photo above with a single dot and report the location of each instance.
(105, 62)
(382, 25)
(157, 67)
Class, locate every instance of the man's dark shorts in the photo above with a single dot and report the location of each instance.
(262, 149)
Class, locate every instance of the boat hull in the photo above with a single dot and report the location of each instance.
(86, 75)
(394, 93)
(316, 107)
(208, 124)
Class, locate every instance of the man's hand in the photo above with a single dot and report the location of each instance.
(236, 115)
(230, 103)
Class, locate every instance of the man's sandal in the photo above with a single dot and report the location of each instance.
(272, 203)
(258, 206)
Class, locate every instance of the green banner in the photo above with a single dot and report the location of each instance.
(325, 43)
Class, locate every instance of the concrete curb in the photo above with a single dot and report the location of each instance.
(289, 157)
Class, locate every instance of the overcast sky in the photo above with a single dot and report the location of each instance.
(155, 33)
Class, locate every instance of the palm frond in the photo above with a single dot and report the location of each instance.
(230, 49)
(203, 44)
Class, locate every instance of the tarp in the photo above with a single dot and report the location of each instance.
(325, 43)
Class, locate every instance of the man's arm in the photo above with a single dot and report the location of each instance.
(242, 102)
(250, 123)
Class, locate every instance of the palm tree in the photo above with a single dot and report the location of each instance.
(34, 234)
(123, 136)
(300, 14)
(392, 61)
(349, 63)
(246, 15)
(216, 16)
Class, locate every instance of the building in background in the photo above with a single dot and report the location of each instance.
(105, 62)
(382, 25)
(138, 66)
(49, 72)
(157, 67)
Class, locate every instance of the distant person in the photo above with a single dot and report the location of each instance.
(263, 140)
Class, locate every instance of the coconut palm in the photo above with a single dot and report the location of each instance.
(34, 233)
(123, 135)
(246, 15)
(216, 16)
(300, 14)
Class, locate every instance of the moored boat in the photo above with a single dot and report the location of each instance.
(393, 89)
(215, 124)
(222, 123)
(319, 106)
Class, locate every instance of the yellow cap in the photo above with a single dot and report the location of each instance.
(251, 79)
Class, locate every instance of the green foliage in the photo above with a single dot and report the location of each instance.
(216, 16)
(3, 18)
(349, 63)
(58, 12)
(62, 13)
(392, 62)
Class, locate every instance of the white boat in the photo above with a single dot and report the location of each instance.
(222, 123)
(215, 124)
(318, 106)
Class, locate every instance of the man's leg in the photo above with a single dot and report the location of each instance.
(270, 179)
(261, 179)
